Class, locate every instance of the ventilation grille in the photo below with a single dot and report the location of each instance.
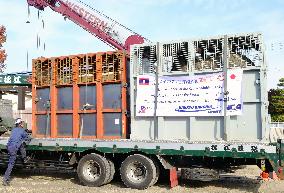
(175, 57)
(111, 67)
(144, 59)
(87, 69)
(244, 51)
(64, 71)
(42, 72)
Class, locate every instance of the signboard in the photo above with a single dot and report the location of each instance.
(199, 95)
(15, 79)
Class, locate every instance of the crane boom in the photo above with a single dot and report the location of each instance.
(93, 21)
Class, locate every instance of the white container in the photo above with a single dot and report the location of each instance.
(202, 57)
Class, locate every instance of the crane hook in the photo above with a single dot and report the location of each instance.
(28, 15)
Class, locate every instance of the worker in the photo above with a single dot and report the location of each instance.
(16, 143)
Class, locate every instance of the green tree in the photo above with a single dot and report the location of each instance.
(276, 102)
(281, 83)
(3, 54)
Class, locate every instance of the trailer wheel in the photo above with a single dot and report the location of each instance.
(138, 171)
(93, 170)
(157, 173)
(112, 171)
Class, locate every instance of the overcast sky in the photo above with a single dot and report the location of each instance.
(158, 20)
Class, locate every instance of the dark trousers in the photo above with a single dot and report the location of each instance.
(12, 150)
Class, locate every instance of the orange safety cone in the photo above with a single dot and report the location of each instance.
(264, 176)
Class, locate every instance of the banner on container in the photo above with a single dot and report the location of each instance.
(198, 95)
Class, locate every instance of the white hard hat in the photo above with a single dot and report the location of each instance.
(18, 121)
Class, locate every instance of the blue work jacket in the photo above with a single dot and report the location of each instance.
(18, 136)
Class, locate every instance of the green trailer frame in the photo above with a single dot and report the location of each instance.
(272, 154)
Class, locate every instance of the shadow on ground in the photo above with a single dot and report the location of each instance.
(241, 183)
(235, 183)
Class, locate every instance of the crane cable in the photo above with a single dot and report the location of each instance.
(27, 56)
(116, 22)
(41, 43)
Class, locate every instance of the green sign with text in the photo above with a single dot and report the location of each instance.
(15, 79)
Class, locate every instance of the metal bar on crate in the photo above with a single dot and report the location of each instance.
(123, 71)
(225, 70)
(41, 74)
(99, 87)
(263, 87)
(87, 79)
(76, 98)
(34, 83)
(59, 71)
(156, 124)
(53, 93)
(48, 110)
(95, 67)
(64, 70)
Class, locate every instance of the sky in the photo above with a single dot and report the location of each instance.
(157, 20)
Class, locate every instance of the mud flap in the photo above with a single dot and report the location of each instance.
(172, 171)
(173, 177)
(277, 161)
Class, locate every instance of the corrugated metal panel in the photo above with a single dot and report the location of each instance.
(11, 107)
(74, 96)
(204, 56)
(6, 108)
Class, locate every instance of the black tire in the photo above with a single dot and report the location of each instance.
(155, 180)
(112, 171)
(93, 170)
(138, 172)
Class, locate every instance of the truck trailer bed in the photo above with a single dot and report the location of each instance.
(74, 154)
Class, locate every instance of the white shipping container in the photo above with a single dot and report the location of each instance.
(188, 60)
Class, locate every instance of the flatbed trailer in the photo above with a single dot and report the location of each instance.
(195, 104)
(140, 162)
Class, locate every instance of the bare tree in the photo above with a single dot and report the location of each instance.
(3, 54)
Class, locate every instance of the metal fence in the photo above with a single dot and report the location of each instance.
(277, 125)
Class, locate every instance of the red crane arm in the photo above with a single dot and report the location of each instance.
(93, 21)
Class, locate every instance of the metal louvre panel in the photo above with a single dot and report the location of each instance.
(199, 55)
(144, 58)
(245, 51)
(175, 57)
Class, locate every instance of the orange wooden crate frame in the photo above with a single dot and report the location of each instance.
(76, 102)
